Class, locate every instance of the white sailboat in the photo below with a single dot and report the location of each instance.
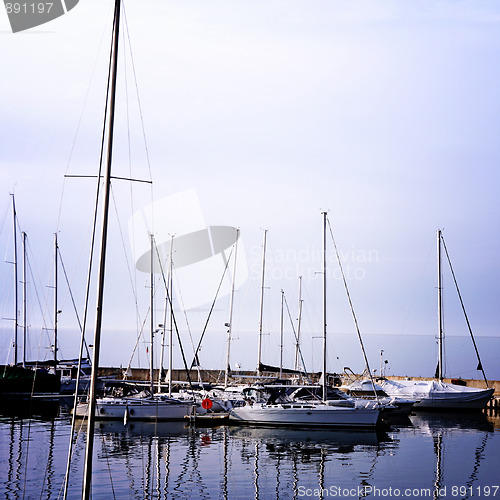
(436, 394)
(305, 415)
(144, 405)
(288, 412)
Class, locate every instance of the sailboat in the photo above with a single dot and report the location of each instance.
(146, 404)
(23, 379)
(284, 410)
(437, 394)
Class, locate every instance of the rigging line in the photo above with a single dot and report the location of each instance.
(8, 209)
(80, 122)
(72, 299)
(137, 93)
(212, 308)
(126, 32)
(114, 177)
(480, 365)
(296, 338)
(352, 309)
(146, 150)
(39, 302)
(138, 338)
(131, 191)
(124, 247)
(106, 455)
(43, 308)
(188, 326)
(127, 108)
(169, 298)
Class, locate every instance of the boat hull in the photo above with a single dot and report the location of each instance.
(136, 409)
(19, 381)
(436, 395)
(313, 415)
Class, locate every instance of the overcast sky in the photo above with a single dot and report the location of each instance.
(384, 113)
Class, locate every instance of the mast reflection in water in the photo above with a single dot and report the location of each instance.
(169, 460)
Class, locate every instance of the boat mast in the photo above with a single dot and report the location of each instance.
(297, 347)
(89, 448)
(439, 371)
(171, 325)
(25, 278)
(152, 324)
(324, 308)
(259, 354)
(230, 324)
(281, 334)
(163, 326)
(16, 299)
(56, 312)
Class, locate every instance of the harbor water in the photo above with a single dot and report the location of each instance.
(422, 456)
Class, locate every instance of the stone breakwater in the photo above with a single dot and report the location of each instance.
(217, 376)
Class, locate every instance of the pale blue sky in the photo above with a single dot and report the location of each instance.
(386, 113)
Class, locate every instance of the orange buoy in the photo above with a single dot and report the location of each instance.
(206, 404)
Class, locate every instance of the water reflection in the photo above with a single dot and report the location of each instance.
(308, 442)
(459, 446)
(171, 460)
(449, 421)
(27, 444)
(29, 407)
(293, 453)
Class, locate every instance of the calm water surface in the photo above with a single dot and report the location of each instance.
(424, 456)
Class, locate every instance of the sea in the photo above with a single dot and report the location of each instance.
(424, 455)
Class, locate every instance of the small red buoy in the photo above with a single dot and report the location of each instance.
(206, 404)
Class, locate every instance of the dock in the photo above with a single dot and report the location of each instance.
(206, 419)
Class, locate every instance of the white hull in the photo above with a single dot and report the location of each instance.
(137, 409)
(364, 389)
(436, 395)
(307, 415)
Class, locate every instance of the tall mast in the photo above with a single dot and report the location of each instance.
(171, 325)
(259, 354)
(439, 371)
(281, 334)
(25, 279)
(299, 319)
(16, 298)
(56, 312)
(163, 327)
(89, 448)
(230, 324)
(152, 324)
(324, 308)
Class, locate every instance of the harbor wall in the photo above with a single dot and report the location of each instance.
(217, 376)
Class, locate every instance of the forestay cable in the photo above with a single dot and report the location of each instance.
(480, 365)
(352, 310)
